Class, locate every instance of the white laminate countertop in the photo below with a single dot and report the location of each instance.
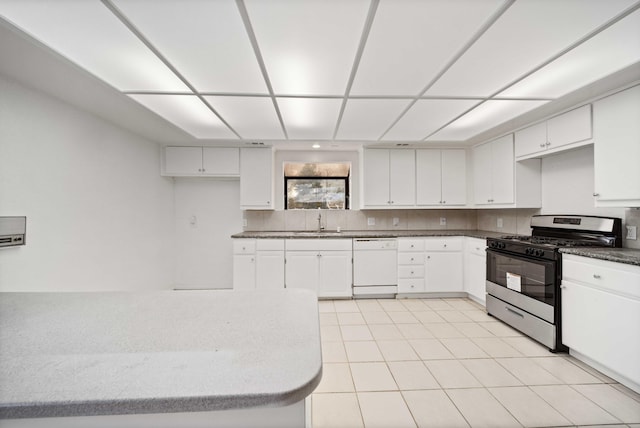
(72, 354)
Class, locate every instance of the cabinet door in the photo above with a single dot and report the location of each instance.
(531, 140)
(256, 178)
(482, 174)
(244, 272)
(475, 268)
(502, 170)
(376, 177)
(454, 177)
(402, 177)
(444, 272)
(335, 277)
(428, 177)
(616, 136)
(603, 327)
(302, 270)
(183, 160)
(570, 127)
(220, 161)
(270, 270)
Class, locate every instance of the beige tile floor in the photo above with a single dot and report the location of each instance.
(445, 363)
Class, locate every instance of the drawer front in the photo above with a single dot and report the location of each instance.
(410, 271)
(410, 244)
(408, 285)
(410, 258)
(270, 244)
(320, 244)
(443, 244)
(476, 246)
(615, 277)
(244, 246)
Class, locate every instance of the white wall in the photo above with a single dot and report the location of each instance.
(567, 185)
(204, 248)
(99, 216)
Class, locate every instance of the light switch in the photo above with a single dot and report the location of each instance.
(443, 221)
(396, 221)
(631, 232)
(499, 223)
(371, 221)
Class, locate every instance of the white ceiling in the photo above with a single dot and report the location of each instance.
(340, 71)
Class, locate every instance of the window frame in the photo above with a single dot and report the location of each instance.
(347, 196)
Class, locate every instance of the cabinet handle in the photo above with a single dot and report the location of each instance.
(548, 143)
(514, 312)
(542, 145)
(411, 258)
(596, 194)
(428, 257)
(596, 276)
(444, 202)
(445, 245)
(268, 202)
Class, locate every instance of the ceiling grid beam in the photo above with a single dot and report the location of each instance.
(244, 14)
(373, 7)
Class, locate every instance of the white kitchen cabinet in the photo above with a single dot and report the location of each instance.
(201, 161)
(616, 135)
(499, 181)
(258, 264)
(475, 268)
(256, 178)
(320, 265)
(601, 316)
(441, 177)
(443, 265)
(389, 178)
(568, 130)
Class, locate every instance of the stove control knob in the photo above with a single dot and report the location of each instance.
(539, 253)
(501, 245)
(492, 244)
(528, 251)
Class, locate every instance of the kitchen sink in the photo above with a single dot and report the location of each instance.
(317, 234)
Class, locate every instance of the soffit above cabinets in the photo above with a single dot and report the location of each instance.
(369, 71)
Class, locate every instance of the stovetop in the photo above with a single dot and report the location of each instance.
(550, 241)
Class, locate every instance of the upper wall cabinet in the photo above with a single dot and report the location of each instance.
(256, 179)
(500, 181)
(569, 130)
(441, 177)
(201, 161)
(616, 135)
(389, 178)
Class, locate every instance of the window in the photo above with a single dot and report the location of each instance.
(316, 185)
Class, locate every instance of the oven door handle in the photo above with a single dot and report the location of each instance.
(514, 312)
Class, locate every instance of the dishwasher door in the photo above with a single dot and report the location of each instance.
(375, 262)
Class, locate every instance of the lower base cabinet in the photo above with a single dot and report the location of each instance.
(601, 315)
(258, 264)
(475, 268)
(322, 266)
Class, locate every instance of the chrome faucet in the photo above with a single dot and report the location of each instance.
(320, 228)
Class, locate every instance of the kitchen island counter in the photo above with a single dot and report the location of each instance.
(619, 255)
(119, 353)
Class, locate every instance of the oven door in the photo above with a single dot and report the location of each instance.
(531, 277)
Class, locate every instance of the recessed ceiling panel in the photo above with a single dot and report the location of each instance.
(614, 49)
(426, 116)
(187, 112)
(411, 41)
(205, 40)
(485, 116)
(368, 119)
(528, 34)
(87, 33)
(251, 117)
(308, 46)
(309, 118)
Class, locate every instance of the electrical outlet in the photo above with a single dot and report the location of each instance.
(396, 221)
(443, 221)
(500, 223)
(631, 232)
(244, 222)
(371, 221)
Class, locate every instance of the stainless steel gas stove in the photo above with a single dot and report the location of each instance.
(524, 272)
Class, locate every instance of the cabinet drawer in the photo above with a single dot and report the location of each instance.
(443, 244)
(410, 244)
(244, 246)
(319, 244)
(410, 285)
(476, 246)
(270, 244)
(410, 271)
(615, 277)
(410, 258)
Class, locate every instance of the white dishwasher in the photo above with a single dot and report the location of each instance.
(375, 267)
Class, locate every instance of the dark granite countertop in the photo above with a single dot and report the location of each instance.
(619, 255)
(349, 234)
